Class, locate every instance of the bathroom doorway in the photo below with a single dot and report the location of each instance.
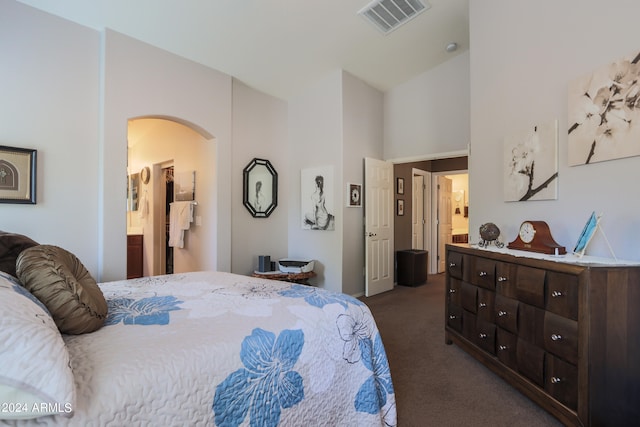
(171, 149)
(450, 198)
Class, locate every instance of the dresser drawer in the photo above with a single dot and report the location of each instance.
(134, 239)
(562, 294)
(483, 273)
(135, 256)
(530, 359)
(530, 285)
(454, 293)
(506, 279)
(454, 264)
(506, 345)
(469, 297)
(486, 336)
(486, 303)
(469, 321)
(561, 381)
(531, 324)
(455, 317)
(561, 337)
(506, 313)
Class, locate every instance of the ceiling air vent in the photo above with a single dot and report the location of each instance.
(387, 15)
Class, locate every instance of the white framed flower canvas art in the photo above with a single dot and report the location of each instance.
(531, 164)
(604, 113)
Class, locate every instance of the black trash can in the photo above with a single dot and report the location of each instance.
(412, 267)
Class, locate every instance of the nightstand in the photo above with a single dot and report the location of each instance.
(301, 278)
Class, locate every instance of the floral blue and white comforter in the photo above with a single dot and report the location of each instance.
(211, 348)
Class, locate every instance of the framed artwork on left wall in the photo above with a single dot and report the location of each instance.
(17, 175)
(400, 185)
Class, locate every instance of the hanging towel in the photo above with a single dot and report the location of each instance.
(143, 208)
(180, 218)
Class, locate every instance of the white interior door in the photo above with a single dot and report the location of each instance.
(417, 213)
(378, 201)
(444, 218)
(429, 229)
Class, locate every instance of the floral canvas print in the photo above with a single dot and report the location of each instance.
(604, 113)
(531, 164)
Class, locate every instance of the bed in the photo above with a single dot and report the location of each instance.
(201, 349)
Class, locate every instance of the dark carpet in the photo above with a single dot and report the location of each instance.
(438, 384)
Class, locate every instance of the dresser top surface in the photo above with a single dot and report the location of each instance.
(569, 258)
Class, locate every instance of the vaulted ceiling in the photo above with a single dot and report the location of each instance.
(280, 47)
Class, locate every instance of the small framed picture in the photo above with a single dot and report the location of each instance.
(400, 185)
(354, 195)
(400, 207)
(17, 175)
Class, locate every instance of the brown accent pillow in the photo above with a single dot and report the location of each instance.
(59, 280)
(11, 245)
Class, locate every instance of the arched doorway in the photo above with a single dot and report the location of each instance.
(164, 144)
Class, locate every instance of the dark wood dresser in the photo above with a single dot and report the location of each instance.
(566, 334)
(135, 257)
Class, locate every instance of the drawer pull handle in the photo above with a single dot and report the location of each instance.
(556, 337)
(482, 336)
(452, 291)
(555, 380)
(482, 305)
(502, 347)
(452, 317)
(502, 313)
(502, 279)
(556, 294)
(483, 273)
(452, 264)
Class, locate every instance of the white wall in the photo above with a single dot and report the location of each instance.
(259, 130)
(49, 102)
(337, 122)
(523, 56)
(362, 137)
(429, 114)
(140, 80)
(68, 91)
(315, 140)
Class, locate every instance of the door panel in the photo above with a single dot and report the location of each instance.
(378, 202)
(445, 226)
(417, 213)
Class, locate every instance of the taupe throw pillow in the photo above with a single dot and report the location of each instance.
(59, 280)
(11, 244)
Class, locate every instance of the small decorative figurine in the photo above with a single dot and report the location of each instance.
(489, 232)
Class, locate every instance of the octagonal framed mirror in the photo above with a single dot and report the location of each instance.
(260, 182)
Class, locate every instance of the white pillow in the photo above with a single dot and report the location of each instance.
(36, 377)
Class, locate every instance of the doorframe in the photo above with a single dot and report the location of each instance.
(433, 264)
(159, 217)
(426, 206)
(437, 156)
